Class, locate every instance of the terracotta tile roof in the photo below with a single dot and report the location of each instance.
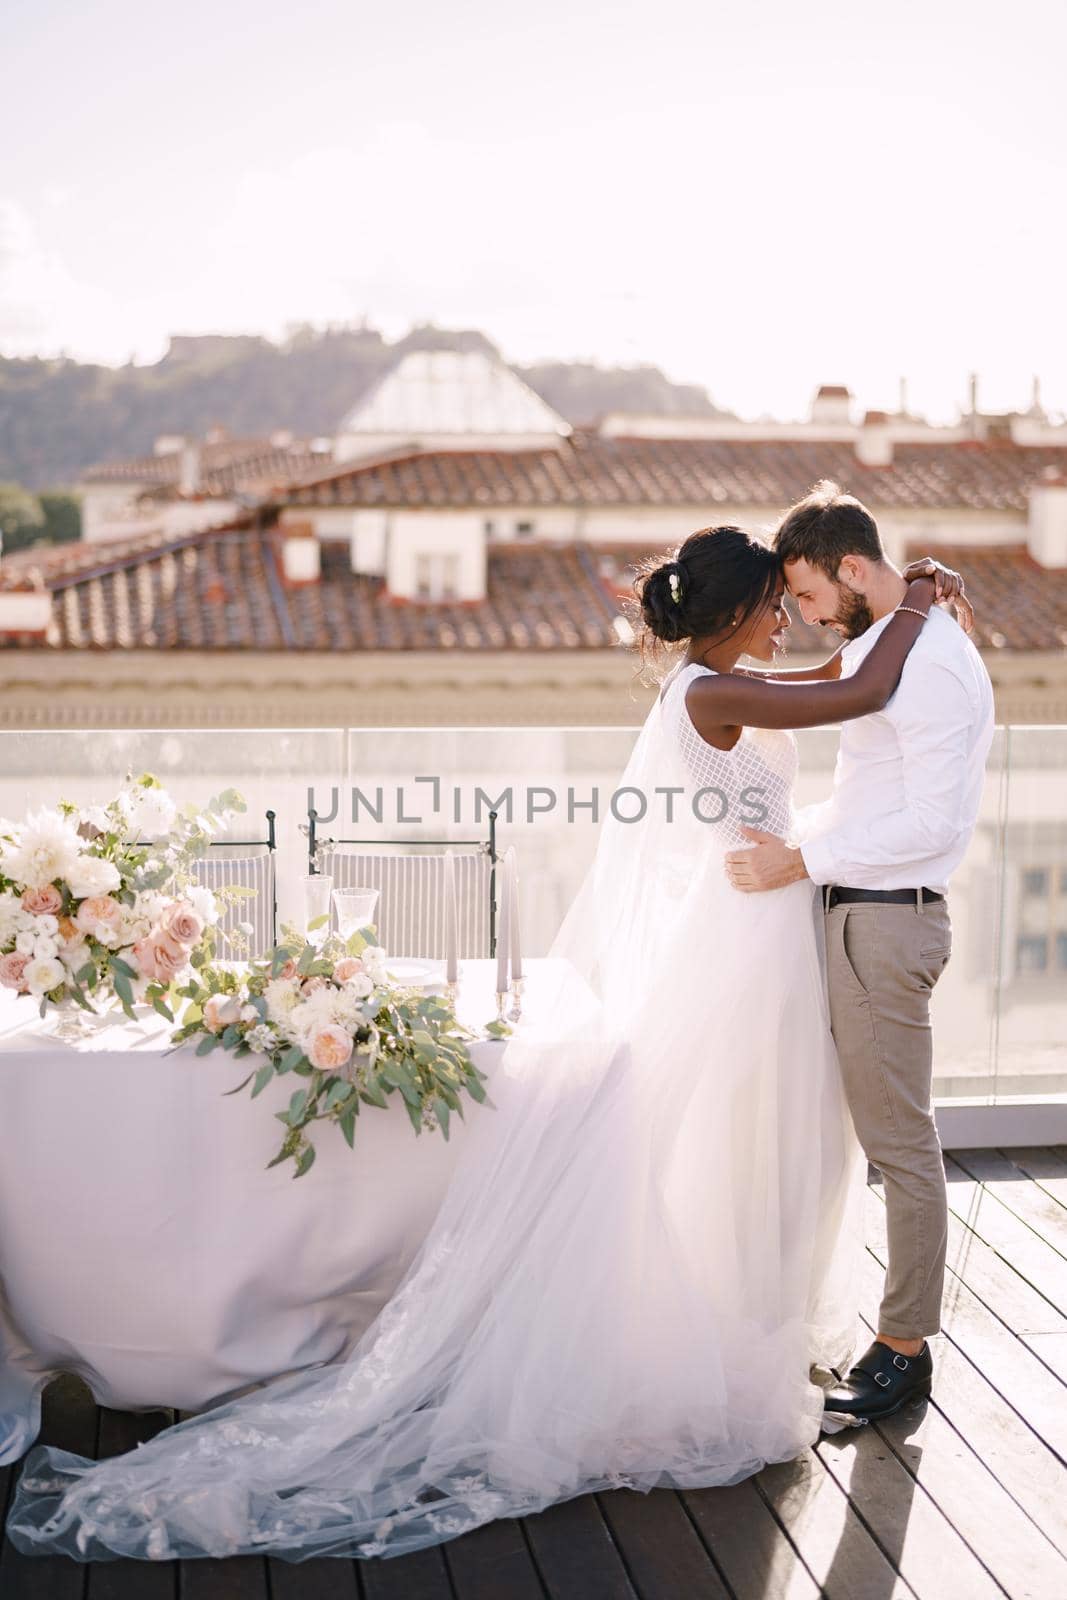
(221, 589)
(1019, 604)
(591, 470)
(226, 467)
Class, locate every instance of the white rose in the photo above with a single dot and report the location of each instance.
(47, 923)
(249, 1014)
(92, 875)
(203, 903)
(149, 813)
(74, 955)
(45, 947)
(25, 943)
(44, 973)
(361, 985)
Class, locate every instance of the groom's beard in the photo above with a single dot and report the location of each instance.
(853, 615)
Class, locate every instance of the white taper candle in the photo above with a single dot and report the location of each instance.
(451, 921)
(503, 926)
(513, 924)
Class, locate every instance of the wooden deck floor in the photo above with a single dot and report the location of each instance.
(961, 1499)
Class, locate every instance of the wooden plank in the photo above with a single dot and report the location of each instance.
(119, 1431)
(664, 1554)
(1043, 1167)
(320, 1578)
(833, 1543)
(68, 1421)
(575, 1552)
(1018, 1192)
(234, 1578)
(491, 1562)
(961, 1464)
(422, 1575)
(971, 1261)
(910, 1528)
(1044, 1269)
(753, 1554)
(981, 1370)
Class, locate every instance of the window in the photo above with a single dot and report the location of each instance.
(436, 575)
(1041, 941)
(1032, 954)
(524, 530)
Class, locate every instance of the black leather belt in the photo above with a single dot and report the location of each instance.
(836, 895)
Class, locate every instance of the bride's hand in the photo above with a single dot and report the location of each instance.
(948, 587)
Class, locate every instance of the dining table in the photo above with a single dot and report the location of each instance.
(146, 1245)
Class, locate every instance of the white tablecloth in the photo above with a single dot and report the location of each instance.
(144, 1245)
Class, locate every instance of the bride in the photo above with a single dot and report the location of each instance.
(650, 1236)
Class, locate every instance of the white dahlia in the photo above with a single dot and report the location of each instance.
(46, 847)
(93, 875)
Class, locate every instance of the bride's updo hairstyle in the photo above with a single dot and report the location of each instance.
(716, 575)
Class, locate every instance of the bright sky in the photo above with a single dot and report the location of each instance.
(757, 197)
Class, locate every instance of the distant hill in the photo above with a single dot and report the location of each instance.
(59, 417)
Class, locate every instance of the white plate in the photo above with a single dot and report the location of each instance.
(416, 974)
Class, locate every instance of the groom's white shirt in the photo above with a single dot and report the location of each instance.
(908, 779)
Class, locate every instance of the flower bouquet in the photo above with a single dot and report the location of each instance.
(97, 903)
(329, 1015)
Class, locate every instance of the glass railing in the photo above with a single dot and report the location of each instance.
(1000, 1008)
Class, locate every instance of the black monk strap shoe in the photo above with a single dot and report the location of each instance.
(880, 1383)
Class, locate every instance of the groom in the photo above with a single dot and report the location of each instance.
(905, 799)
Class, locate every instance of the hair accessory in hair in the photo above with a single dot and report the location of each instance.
(676, 587)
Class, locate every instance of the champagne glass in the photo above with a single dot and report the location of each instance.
(318, 887)
(355, 909)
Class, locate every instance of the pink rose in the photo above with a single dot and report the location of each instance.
(289, 970)
(159, 957)
(12, 966)
(182, 923)
(98, 914)
(219, 1011)
(330, 1048)
(347, 967)
(45, 902)
(310, 985)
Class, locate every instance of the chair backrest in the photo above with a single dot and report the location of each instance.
(410, 916)
(235, 864)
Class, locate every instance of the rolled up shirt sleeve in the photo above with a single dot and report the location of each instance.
(932, 715)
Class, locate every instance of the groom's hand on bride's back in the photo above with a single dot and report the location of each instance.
(770, 864)
(948, 587)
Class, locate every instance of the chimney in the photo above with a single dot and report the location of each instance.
(902, 404)
(168, 444)
(1036, 408)
(301, 554)
(1046, 528)
(874, 442)
(26, 611)
(189, 471)
(832, 404)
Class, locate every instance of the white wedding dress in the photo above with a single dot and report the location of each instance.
(642, 1249)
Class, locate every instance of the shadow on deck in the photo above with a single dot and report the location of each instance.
(964, 1498)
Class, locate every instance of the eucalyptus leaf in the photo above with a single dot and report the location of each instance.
(263, 1077)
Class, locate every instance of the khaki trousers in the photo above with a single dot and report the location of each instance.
(882, 964)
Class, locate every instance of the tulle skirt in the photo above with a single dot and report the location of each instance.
(645, 1246)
